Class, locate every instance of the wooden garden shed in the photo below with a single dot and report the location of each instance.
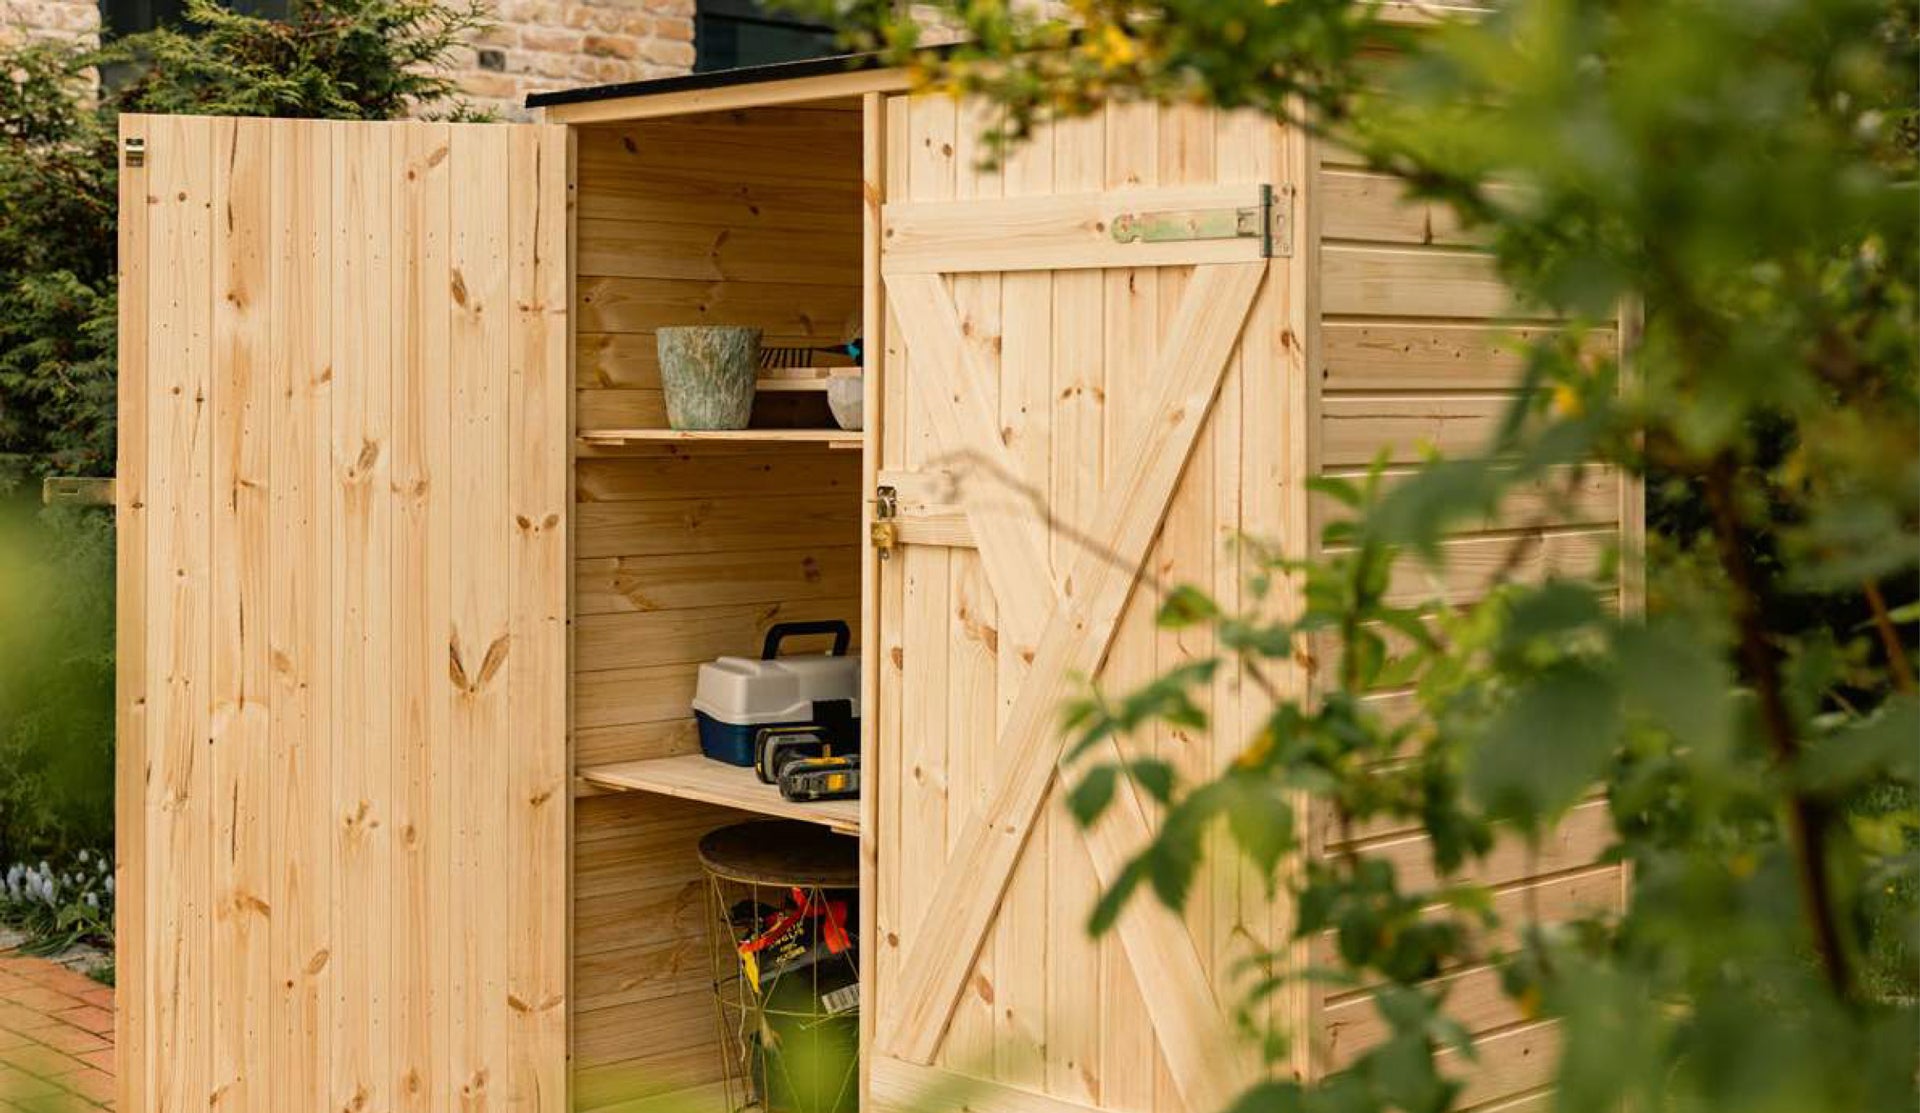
(415, 578)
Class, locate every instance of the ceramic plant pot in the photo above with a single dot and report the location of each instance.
(707, 373)
(847, 398)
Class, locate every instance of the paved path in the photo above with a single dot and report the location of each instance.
(56, 1038)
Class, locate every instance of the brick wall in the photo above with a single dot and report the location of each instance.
(537, 45)
(563, 44)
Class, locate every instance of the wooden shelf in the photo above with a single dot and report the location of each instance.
(779, 379)
(832, 438)
(694, 777)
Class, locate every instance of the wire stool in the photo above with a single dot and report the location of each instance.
(782, 902)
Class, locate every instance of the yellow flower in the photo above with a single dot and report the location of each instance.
(1566, 401)
(1116, 49)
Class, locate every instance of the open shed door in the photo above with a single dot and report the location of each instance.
(1083, 399)
(342, 503)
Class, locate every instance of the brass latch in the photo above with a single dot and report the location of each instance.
(1270, 222)
(136, 150)
(885, 533)
(76, 490)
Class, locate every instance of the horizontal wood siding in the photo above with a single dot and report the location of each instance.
(685, 553)
(1419, 350)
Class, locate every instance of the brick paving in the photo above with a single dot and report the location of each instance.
(56, 1038)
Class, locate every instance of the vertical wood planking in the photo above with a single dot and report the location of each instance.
(131, 619)
(888, 715)
(1018, 942)
(537, 797)
(926, 741)
(973, 720)
(873, 188)
(1129, 1055)
(480, 644)
(1274, 491)
(179, 813)
(1081, 389)
(422, 552)
(289, 923)
(301, 828)
(361, 635)
(241, 629)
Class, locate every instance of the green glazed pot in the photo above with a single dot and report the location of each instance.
(707, 373)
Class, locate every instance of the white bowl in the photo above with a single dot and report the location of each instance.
(846, 397)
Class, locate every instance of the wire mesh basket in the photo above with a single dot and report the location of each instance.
(782, 901)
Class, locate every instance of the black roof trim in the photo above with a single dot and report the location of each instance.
(713, 79)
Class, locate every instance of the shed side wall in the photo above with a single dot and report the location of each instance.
(1409, 356)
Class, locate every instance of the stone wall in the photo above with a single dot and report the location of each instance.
(69, 19)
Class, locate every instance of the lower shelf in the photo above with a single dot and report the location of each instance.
(693, 777)
(614, 438)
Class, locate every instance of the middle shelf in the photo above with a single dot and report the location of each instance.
(695, 777)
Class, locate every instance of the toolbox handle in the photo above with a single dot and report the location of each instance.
(842, 635)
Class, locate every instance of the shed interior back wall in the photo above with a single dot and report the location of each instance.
(685, 552)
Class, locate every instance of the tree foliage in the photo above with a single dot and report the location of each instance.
(331, 59)
(1745, 169)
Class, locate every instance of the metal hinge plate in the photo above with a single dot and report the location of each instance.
(76, 490)
(1270, 222)
(885, 532)
(136, 150)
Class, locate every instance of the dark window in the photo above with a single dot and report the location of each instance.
(728, 34)
(127, 17)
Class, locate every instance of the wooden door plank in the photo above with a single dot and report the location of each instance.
(423, 540)
(1080, 385)
(361, 613)
(480, 591)
(131, 620)
(179, 812)
(1129, 1057)
(1188, 1019)
(301, 832)
(540, 280)
(241, 634)
(1020, 937)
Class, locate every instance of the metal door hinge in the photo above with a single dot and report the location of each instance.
(76, 490)
(1270, 222)
(136, 150)
(885, 532)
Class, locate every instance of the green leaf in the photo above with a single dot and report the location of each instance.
(1155, 777)
(1542, 750)
(1261, 821)
(1106, 911)
(1881, 746)
(1089, 798)
(1677, 680)
(1187, 606)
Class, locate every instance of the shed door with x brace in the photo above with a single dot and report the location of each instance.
(1082, 402)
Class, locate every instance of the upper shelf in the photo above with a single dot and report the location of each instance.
(783, 379)
(694, 777)
(832, 438)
